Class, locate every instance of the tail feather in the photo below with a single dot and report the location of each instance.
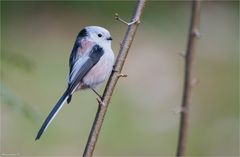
(69, 99)
(53, 113)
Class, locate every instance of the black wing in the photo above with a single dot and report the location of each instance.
(73, 57)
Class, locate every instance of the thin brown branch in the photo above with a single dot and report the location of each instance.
(188, 78)
(104, 102)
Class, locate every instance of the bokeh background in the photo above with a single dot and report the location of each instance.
(143, 117)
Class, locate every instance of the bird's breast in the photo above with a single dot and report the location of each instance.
(100, 72)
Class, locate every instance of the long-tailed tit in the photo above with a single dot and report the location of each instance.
(90, 62)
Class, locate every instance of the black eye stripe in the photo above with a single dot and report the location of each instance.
(99, 35)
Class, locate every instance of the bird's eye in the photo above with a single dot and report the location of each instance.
(99, 35)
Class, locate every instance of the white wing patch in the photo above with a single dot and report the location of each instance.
(78, 64)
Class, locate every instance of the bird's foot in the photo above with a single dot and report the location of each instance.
(100, 102)
(99, 98)
(96, 93)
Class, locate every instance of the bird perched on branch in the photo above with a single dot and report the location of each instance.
(90, 62)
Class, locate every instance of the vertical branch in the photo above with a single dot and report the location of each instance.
(103, 103)
(188, 77)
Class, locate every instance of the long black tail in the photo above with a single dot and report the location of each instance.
(53, 113)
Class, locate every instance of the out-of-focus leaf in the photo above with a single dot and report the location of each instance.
(20, 62)
(17, 61)
(10, 99)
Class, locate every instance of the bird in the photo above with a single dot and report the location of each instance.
(91, 63)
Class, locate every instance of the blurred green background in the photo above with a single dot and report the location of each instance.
(142, 119)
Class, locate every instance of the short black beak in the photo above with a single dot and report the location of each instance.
(109, 38)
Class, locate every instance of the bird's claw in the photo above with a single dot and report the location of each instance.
(100, 102)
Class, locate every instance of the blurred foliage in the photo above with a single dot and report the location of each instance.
(18, 61)
(15, 61)
(10, 99)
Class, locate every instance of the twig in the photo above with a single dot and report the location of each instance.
(115, 75)
(136, 20)
(188, 77)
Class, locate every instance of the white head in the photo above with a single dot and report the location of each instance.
(99, 35)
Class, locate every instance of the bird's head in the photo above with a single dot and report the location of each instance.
(97, 34)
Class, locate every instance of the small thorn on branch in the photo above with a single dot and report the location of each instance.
(182, 54)
(120, 43)
(122, 75)
(194, 82)
(119, 75)
(183, 109)
(176, 110)
(137, 21)
(179, 110)
(196, 33)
